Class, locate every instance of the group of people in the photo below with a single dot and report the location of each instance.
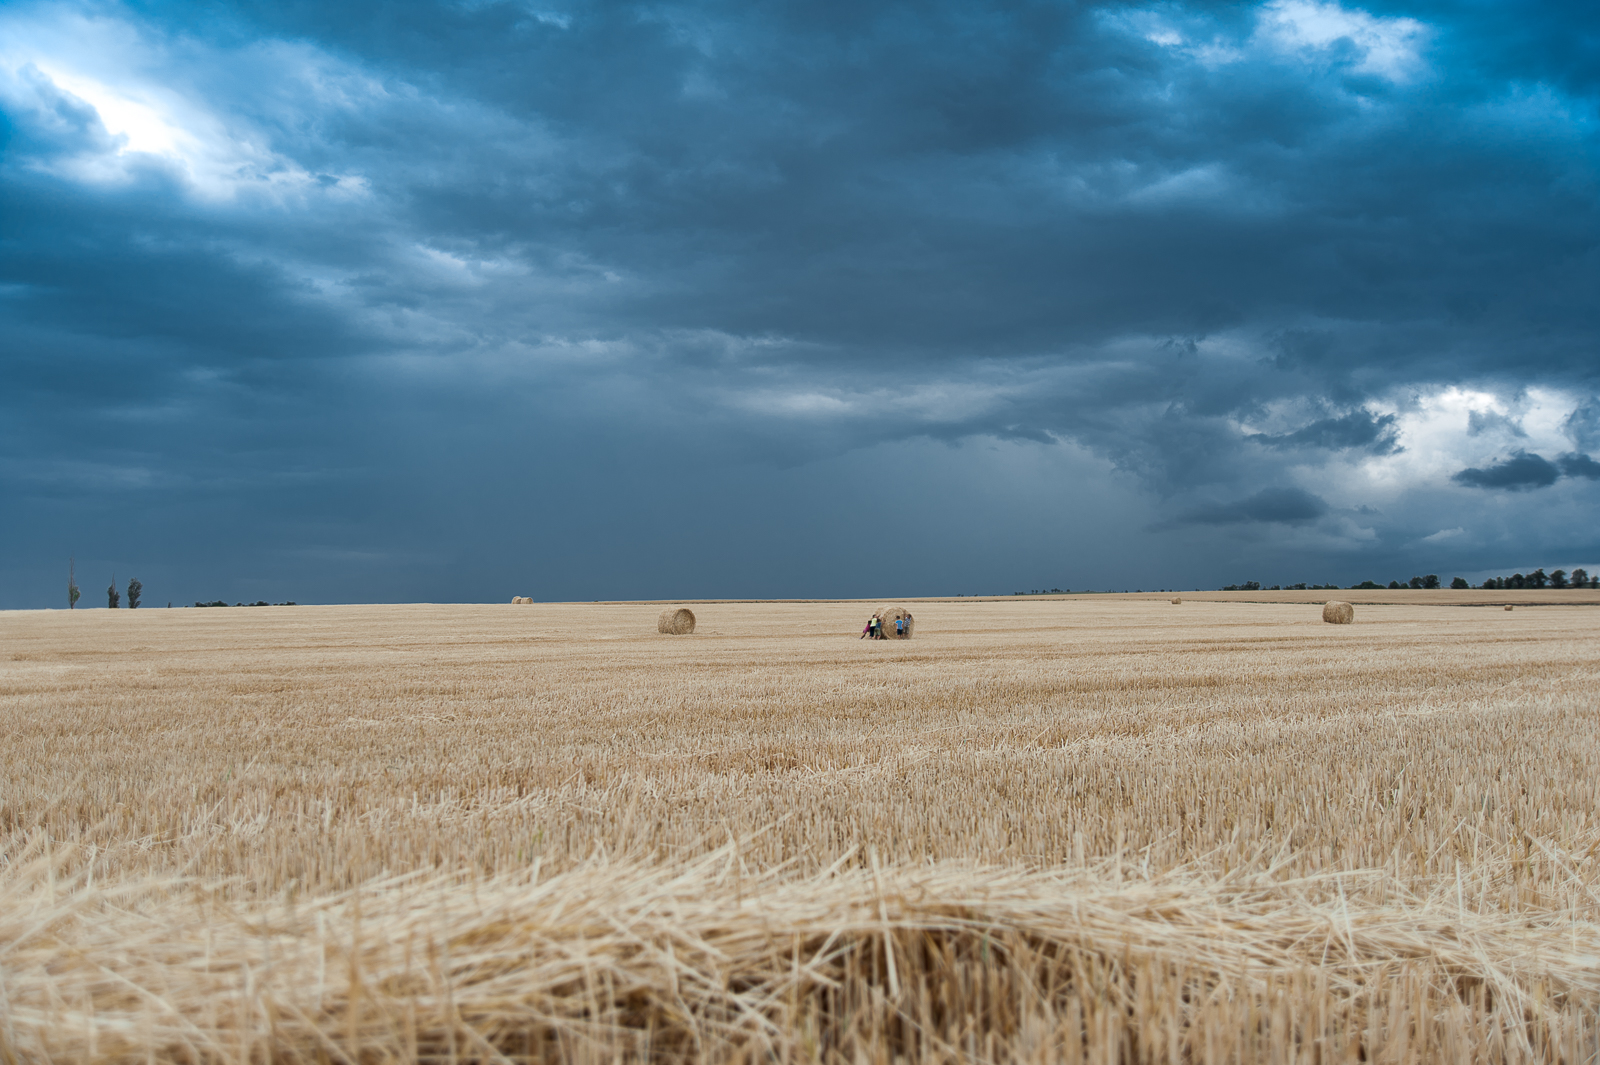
(876, 627)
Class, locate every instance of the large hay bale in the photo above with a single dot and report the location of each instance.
(676, 621)
(1177, 600)
(1337, 613)
(888, 615)
(522, 600)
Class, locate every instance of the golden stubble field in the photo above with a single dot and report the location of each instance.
(1098, 828)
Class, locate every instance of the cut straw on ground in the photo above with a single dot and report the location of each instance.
(711, 961)
(1041, 831)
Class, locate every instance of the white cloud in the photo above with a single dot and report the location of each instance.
(149, 115)
(1191, 40)
(1441, 432)
(1388, 46)
(1445, 534)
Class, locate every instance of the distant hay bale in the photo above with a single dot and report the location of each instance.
(522, 599)
(888, 615)
(1508, 606)
(1177, 600)
(1337, 613)
(676, 621)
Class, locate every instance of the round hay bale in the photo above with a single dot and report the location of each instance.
(676, 621)
(1508, 606)
(522, 600)
(1337, 613)
(1177, 601)
(888, 614)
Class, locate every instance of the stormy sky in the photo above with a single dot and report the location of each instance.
(460, 301)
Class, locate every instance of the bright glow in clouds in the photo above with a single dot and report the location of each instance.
(148, 119)
(1436, 437)
(1388, 45)
(139, 126)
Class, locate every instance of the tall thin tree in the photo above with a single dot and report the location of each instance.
(72, 584)
(113, 597)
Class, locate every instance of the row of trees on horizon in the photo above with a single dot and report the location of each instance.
(113, 597)
(1560, 578)
(135, 592)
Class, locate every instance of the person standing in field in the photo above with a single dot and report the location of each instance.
(866, 630)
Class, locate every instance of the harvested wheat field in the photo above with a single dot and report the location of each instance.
(1081, 829)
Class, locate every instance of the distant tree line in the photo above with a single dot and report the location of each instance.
(113, 597)
(135, 593)
(1430, 581)
(1560, 578)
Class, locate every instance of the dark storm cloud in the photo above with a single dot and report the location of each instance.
(1359, 429)
(955, 181)
(1576, 465)
(1519, 472)
(428, 251)
(1525, 471)
(1289, 506)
